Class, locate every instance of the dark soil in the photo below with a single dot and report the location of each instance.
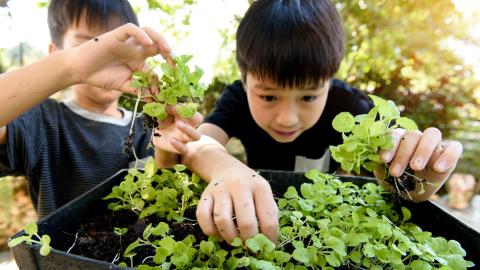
(403, 184)
(96, 238)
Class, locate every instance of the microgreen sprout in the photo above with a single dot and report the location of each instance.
(31, 236)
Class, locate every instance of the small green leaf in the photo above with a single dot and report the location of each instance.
(150, 167)
(45, 240)
(179, 167)
(161, 229)
(237, 242)
(406, 214)
(16, 241)
(407, 123)
(301, 255)
(31, 228)
(186, 110)
(45, 250)
(207, 247)
(343, 122)
(120, 231)
(155, 110)
(161, 255)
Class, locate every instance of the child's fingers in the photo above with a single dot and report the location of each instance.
(191, 133)
(448, 156)
(223, 215)
(267, 211)
(245, 214)
(127, 88)
(396, 134)
(131, 30)
(161, 44)
(195, 120)
(205, 216)
(430, 138)
(404, 153)
(178, 146)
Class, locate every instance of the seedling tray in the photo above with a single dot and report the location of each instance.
(428, 215)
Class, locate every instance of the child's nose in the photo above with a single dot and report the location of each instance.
(287, 115)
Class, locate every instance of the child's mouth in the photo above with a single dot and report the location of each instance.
(285, 134)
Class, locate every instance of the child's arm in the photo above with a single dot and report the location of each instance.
(107, 62)
(234, 190)
(428, 156)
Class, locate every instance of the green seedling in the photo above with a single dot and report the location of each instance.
(365, 135)
(32, 237)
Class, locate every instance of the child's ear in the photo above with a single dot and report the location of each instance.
(52, 47)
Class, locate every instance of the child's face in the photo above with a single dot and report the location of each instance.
(74, 36)
(284, 113)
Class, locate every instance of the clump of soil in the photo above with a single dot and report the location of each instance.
(96, 238)
(403, 184)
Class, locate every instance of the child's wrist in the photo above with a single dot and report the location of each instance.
(68, 67)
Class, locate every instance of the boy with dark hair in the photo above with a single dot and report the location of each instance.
(66, 148)
(288, 52)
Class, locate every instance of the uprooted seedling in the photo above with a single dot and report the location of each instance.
(365, 135)
(176, 86)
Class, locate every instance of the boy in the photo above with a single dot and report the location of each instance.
(282, 111)
(65, 149)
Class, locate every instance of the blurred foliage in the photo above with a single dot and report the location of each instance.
(470, 137)
(399, 50)
(174, 15)
(226, 68)
(3, 66)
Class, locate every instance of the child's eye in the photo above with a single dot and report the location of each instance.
(268, 98)
(309, 98)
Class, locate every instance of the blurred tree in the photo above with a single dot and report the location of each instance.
(174, 16)
(398, 50)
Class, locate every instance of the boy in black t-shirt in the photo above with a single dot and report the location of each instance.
(288, 52)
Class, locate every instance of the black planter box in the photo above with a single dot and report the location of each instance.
(427, 215)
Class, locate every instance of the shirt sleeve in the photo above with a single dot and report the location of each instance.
(229, 109)
(25, 140)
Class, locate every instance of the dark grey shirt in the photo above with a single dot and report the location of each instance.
(64, 150)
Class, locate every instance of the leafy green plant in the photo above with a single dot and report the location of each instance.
(32, 237)
(365, 135)
(324, 224)
(167, 195)
(177, 86)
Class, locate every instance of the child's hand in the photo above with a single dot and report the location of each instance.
(173, 134)
(427, 155)
(109, 60)
(238, 204)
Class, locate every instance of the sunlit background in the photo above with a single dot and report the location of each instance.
(424, 55)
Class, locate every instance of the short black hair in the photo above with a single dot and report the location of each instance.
(98, 13)
(292, 42)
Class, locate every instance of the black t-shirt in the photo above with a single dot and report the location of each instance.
(263, 152)
(65, 151)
